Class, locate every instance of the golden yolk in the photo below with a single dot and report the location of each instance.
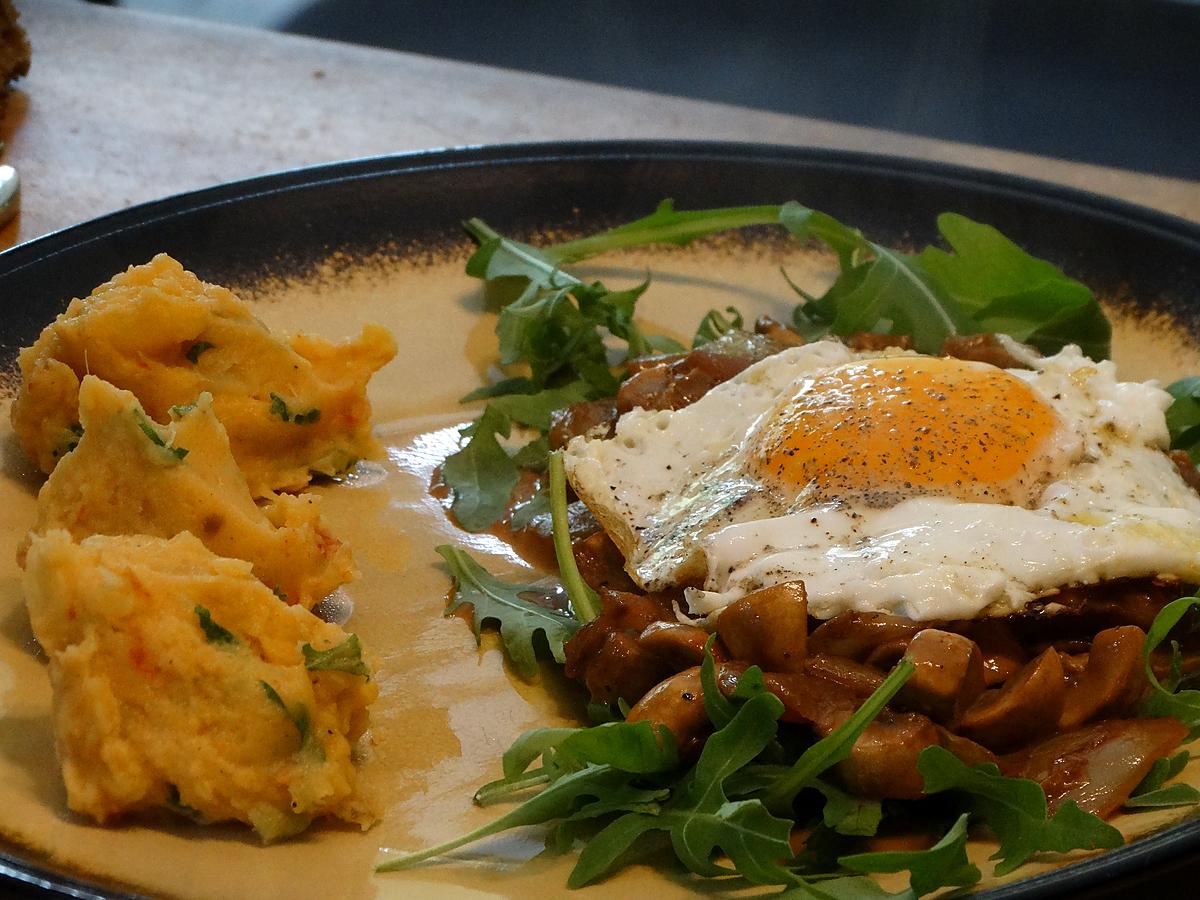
(887, 429)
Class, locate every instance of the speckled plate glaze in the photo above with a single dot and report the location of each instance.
(327, 248)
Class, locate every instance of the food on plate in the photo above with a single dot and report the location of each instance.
(292, 408)
(130, 475)
(890, 482)
(181, 681)
(168, 582)
(921, 540)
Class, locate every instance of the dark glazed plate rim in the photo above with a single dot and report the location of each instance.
(1122, 867)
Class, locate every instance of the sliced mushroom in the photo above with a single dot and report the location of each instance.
(622, 669)
(619, 611)
(1003, 655)
(678, 703)
(857, 635)
(1024, 710)
(994, 349)
(858, 678)
(809, 700)
(606, 654)
(869, 340)
(680, 646)
(601, 564)
(594, 418)
(768, 627)
(948, 677)
(1112, 682)
(883, 761)
(777, 332)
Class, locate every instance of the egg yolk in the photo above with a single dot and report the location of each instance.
(886, 429)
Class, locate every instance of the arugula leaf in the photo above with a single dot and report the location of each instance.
(847, 814)
(558, 801)
(213, 633)
(1165, 700)
(1153, 790)
(665, 225)
(534, 456)
(1183, 416)
(584, 601)
(945, 864)
(835, 746)
(533, 410)
(524, 514)
(1016, 810)
(715, 323)
(343, 657)
(1011, 292)
(635, 747)
(700, 818)
(520, 620)
(719, 708)
(481, 475)
(987, 284)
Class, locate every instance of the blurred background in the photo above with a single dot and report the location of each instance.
(1110, 82)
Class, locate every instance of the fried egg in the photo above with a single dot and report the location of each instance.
(928, 487)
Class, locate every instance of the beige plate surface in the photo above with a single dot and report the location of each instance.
(447, 709)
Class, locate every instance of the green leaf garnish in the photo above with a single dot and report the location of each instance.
(701, 819)
(520, 620)
(280, 409)
(847, 814)
(1154, 790)
(1016, 810)
(835, 746)
(1006, 290)
(625, 772)
(213, 633)
(945, 864)
(150, 430)
(481, 475)
(1183, 416)
(298, 714)
(719, 708)
(715, 323)
(343, 657)
(194, 351)
(1165, 700)
(665, 225)
(584, 601)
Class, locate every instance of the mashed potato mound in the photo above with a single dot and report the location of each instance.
(181, 681)
(291, 407)
(128, 475)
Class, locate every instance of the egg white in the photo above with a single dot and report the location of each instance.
(673, 490)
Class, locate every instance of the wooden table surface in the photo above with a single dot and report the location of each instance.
(122, 107)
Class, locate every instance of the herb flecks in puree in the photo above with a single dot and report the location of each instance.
(167, 577)
(141, 332)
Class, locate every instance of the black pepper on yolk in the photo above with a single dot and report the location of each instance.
(887, 429)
